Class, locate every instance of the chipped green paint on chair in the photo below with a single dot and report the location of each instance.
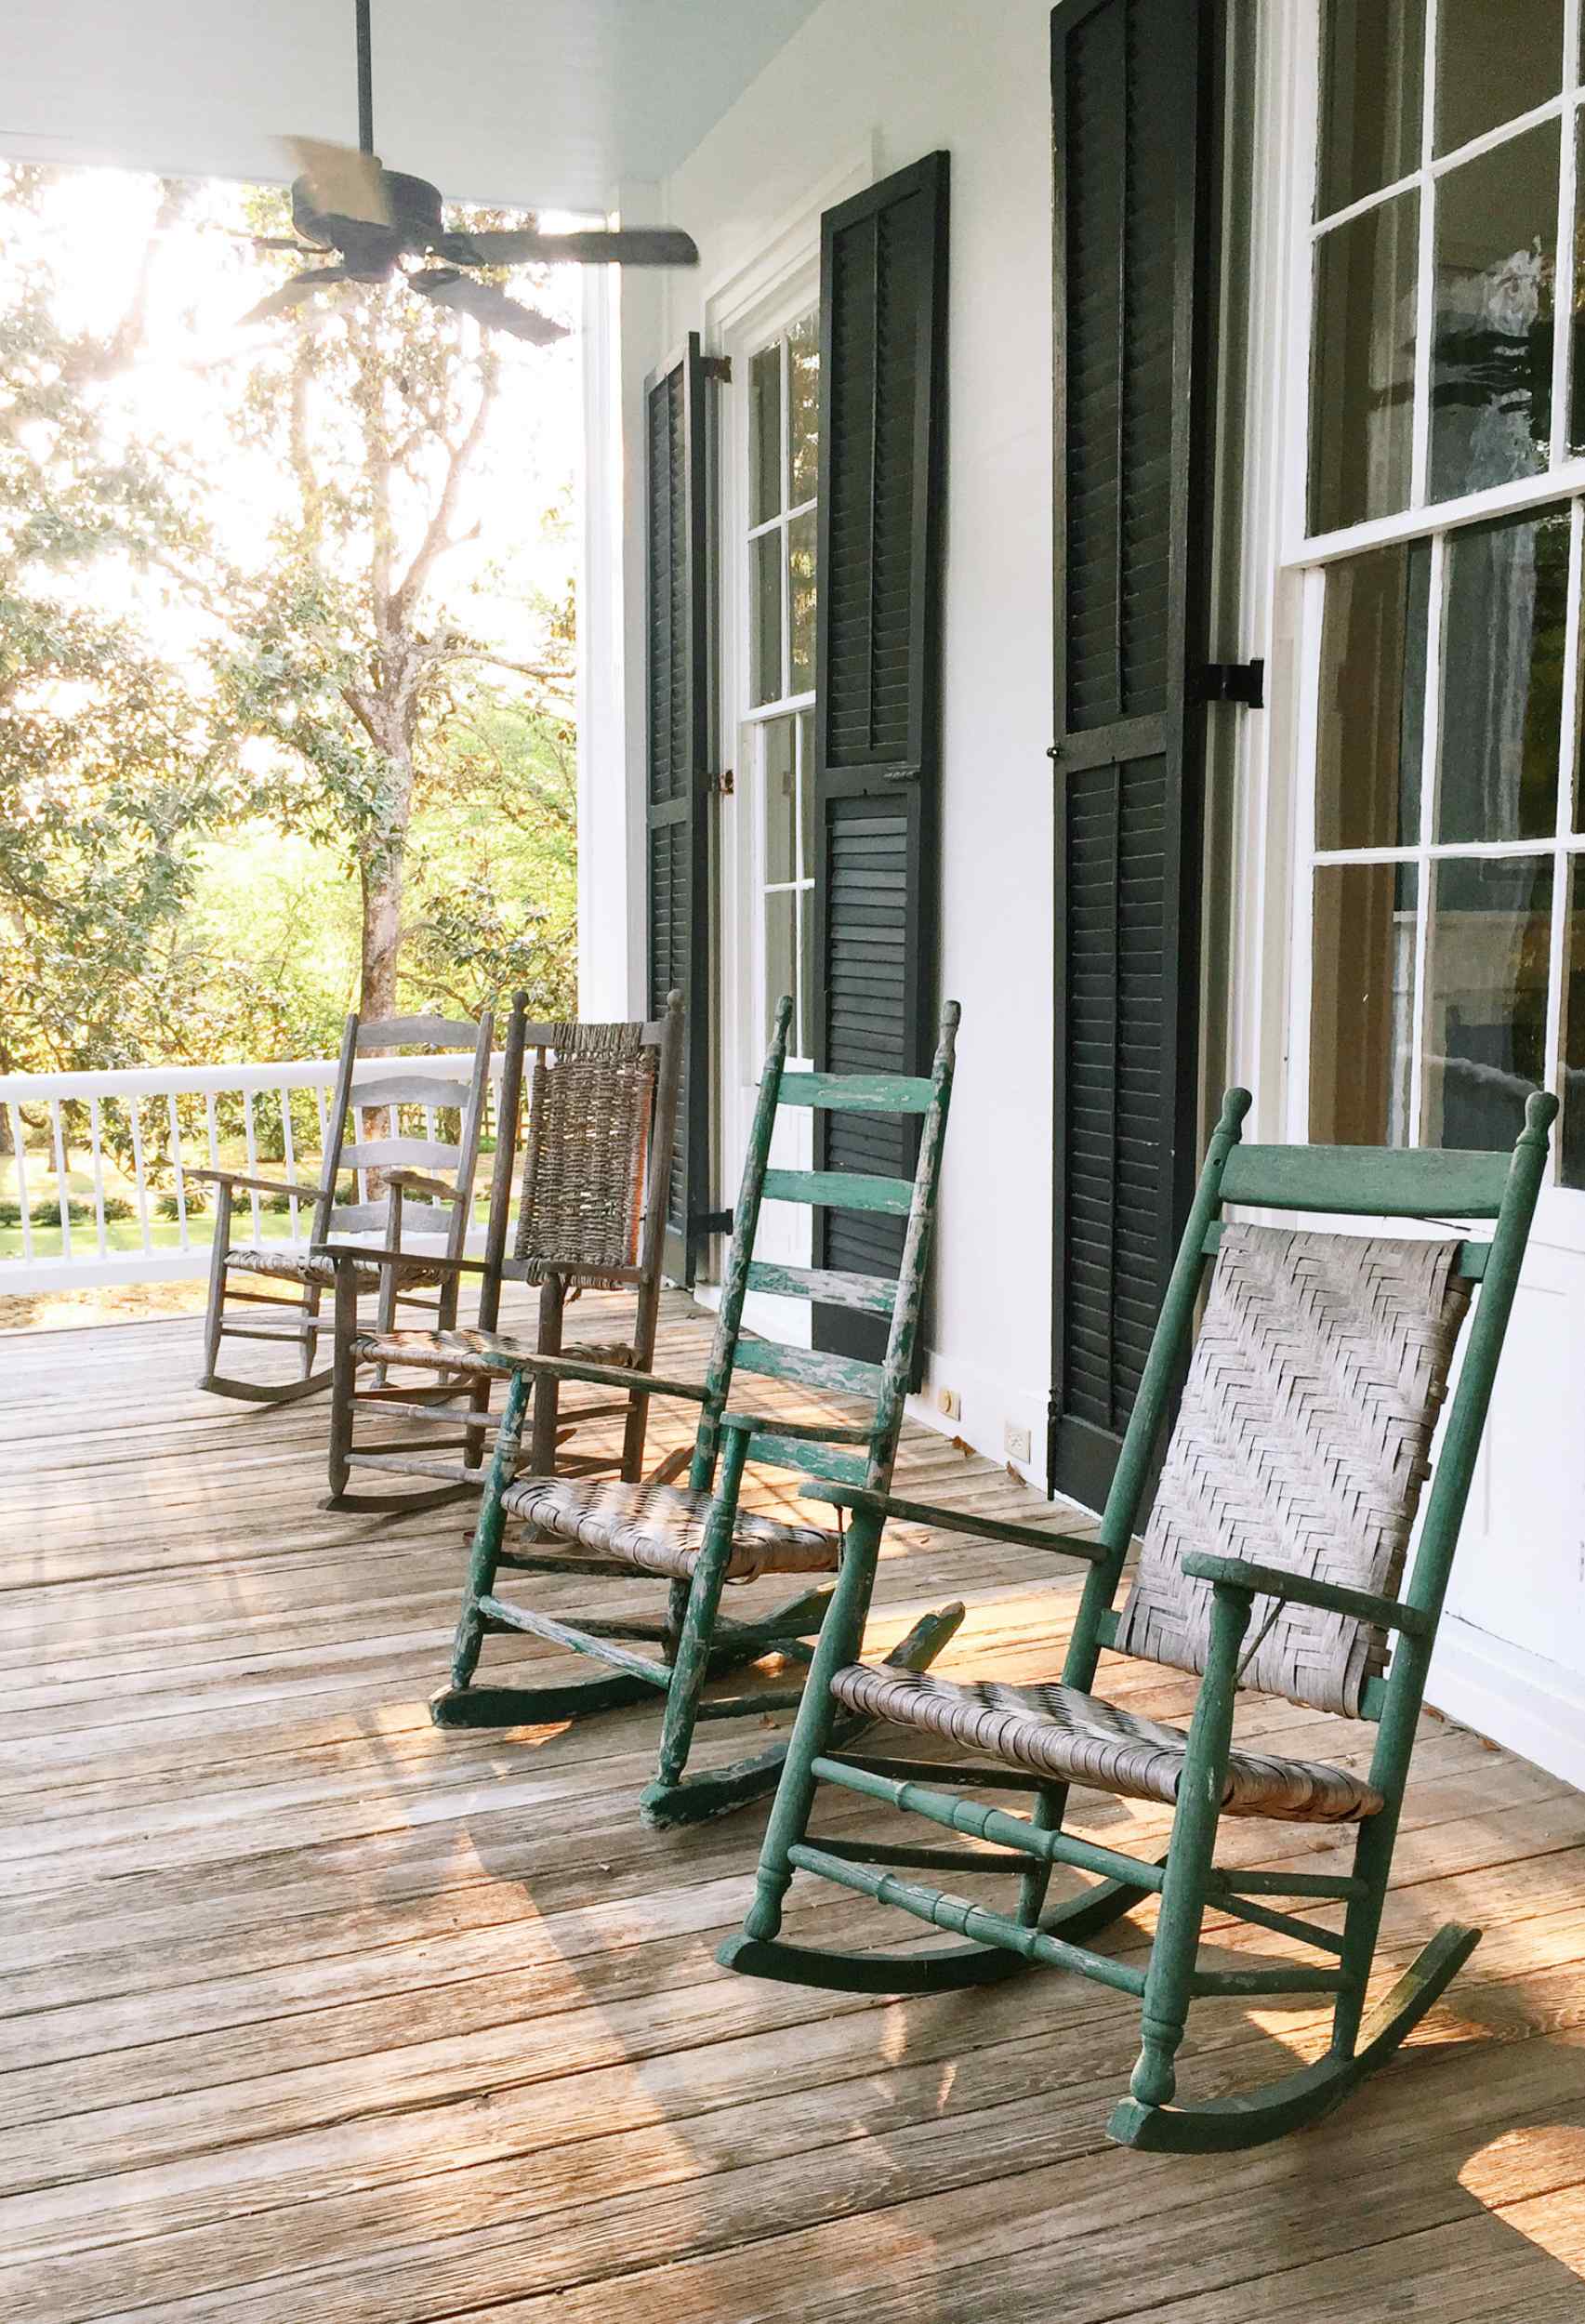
(1318, 1636)
(694, 1536)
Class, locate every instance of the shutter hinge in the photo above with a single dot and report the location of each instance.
(1241, 683)
(720, 786)
(717, 367)
(711, 1222)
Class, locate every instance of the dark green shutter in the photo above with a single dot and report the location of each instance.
(1133, 246)
(882, 376)
(678, 754)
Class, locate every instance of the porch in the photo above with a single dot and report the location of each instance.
(312, 2009)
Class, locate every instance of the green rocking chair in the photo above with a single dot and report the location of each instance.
(1274, 1554)
(694, 1536)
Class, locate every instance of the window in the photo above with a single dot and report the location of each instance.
(1446, 870)
(784, 403)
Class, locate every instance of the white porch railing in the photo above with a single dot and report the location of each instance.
(167, 1121)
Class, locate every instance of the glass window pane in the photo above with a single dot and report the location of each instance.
(806, 973)
(1362, 375)
(780, 971)
(1576, 430)
(1492, 332)
(1372, 66)
(765, 434)
(1372, 702)
(1362, 1004)
(1502, 683)
(1487, 1012)
(801, 601)
(765, 619)
(781, 852)
(1571, 1129)
(803, 409)
(1495, 58)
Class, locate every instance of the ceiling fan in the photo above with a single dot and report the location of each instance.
(371, 220)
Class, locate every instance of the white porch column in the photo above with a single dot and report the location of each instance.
(622, 314)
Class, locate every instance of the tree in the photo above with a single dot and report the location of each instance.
(355, 649)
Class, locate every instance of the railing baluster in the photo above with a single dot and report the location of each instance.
(135, 1113)
(96, 1147)
(15, 1113)
(179, 1174)
(290, 1152)
(252, 1159)
(63, 1192)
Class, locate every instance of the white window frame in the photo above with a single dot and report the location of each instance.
(1300, 576)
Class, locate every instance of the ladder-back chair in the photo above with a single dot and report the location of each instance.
(601, 1120)
(695, 1537)
(1274, 1556)
(376, 1074)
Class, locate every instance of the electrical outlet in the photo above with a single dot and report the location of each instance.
(1015, 1441)
(949, 1403)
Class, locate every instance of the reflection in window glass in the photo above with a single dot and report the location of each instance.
(1362, 1004)
(1373, 65)
(1486, 998)
(1362, 374)
(1494, 60)
(1372, 700)
(1502, 687)
(765, 434)
(1571, 1131)
(780, 806)
(1492, 333)
(781, 967)
(803, 409)
(765, 618)
(801, 602)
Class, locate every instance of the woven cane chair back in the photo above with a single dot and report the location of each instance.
(1303, 1442)
(591, 1116)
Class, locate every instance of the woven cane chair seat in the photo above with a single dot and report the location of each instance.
(470, 1350)
(1303, 1440)
(1079, 1739)
(660, 1528)
(293, 1267)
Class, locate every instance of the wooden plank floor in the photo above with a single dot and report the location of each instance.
(310, 2012)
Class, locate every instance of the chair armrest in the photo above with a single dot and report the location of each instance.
(420, 1182)
(1328, 1597)
(861, 1497)
(374, 1255)
(257, 1185)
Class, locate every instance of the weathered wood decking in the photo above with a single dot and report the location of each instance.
(313, 2013)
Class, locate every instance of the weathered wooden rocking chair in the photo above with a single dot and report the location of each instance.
(694, 1536)
(1287, 1501)
(443, 1216)
(590, 1215)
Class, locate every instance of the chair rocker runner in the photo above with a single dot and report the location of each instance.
(382, 1084)
(590, 1215)
(1275, 1553)
(695, 1537)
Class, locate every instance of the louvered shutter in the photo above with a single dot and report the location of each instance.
(677, 832)
(882, 361)
(1132, 256)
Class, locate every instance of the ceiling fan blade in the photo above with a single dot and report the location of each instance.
(631, 246)
(291, 294)
(341, 181)
(487, 305)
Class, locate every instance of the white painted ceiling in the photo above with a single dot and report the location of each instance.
(551, 103)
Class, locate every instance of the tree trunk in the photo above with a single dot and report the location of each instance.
(382, 932)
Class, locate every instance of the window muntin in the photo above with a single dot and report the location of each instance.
(1447, 847)
(783, 415)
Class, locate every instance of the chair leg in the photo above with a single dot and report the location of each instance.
(547, 1398)
(215, 1314)
(1168, 1985)
(311, 1296)
(485, 1556)
(691, 1663)
(1050, 1806)
(839, 1638)
(343, 1382)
